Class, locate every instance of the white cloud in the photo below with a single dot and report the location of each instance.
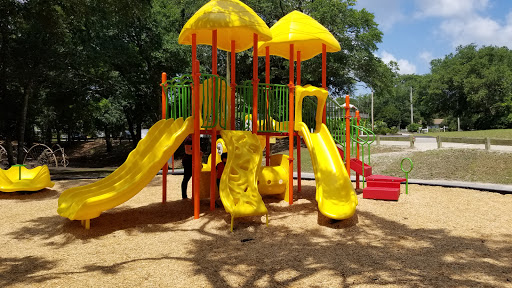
(449, 8)
(387, 13)
(478, 30)
(426, 56)
(462, 22)
(405, 66)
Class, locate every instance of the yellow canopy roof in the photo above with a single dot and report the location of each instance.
(304, 32)
(232, 19)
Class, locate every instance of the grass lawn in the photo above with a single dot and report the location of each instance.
(496, 133)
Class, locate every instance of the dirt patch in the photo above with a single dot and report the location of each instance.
(449, 164)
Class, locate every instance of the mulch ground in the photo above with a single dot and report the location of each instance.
(433, 237)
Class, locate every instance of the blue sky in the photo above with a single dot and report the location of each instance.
(417, 31)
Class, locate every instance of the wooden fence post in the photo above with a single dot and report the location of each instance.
(487, 143)
(378, 139)
(411, 140)
(439, 143)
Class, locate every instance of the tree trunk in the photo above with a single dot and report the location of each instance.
(23, 122)
(108, 140)
(59, 136)
(139, 133)
(8, 147)
(47, 136)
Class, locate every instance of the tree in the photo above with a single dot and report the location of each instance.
(474, 84)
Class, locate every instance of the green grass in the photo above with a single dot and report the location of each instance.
(496, 133)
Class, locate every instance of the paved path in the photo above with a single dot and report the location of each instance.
(424, 143)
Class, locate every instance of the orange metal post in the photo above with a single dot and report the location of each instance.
(165, 169)
(233, 83)
(324, 78)
(213, 171)
(196, 160)
(290, 124)
(255, 82)
(267, 80)
(299, 185)
(357, 137)
(347, 133)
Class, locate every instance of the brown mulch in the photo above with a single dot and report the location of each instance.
(433, 237)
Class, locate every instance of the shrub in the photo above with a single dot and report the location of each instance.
(413, 127)
(393, 130)
(381, 128)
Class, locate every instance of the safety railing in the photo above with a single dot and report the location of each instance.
(273, 107)
(214, 98)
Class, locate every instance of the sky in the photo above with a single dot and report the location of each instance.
(417, 31)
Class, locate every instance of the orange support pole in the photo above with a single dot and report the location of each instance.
(196, 160)
(290, 124)
(255, 82)
(267, 80)
(165, 169)
(347, 133)
(299, 185)
(298, 67)
(324, 78)
(357, 137)
(213, 170)
(233, 83)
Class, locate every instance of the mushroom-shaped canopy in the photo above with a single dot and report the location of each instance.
(304, 32)
(232, 19)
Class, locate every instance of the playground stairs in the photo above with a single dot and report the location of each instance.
(378, 187)
(357, 166)
(382, 187)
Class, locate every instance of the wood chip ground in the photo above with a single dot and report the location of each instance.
(433, 237)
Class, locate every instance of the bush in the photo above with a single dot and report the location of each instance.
(393, 130)
(413, 127)
(381, 128)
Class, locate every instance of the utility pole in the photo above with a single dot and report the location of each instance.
(412, 117)
(372, 108)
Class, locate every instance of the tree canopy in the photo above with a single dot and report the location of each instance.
(87, 66)
(473, 84)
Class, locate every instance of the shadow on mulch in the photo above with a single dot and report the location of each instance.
(146, 219)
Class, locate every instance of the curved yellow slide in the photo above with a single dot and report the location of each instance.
(141, 165)
(238, 184)
(334, 191)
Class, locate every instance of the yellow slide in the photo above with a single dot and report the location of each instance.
(143, 163)
(238, 184)
(334, 192)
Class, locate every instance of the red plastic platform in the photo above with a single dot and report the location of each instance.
(383, 184)
(381, 193)
(383, 178)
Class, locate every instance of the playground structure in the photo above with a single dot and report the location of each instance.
(247, 115)
(264, 109)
